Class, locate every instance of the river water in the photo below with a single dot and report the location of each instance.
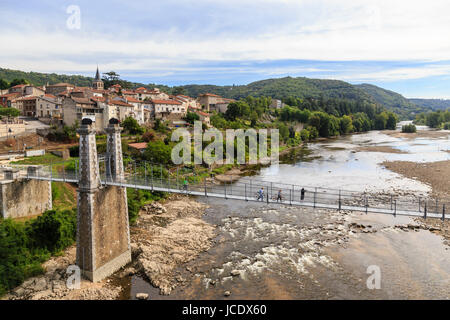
(265, 251)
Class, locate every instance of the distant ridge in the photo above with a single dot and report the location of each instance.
(280, 88)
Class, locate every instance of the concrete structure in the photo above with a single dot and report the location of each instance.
(276, 104)
(22, 197)
(103, 235)
(12, 127)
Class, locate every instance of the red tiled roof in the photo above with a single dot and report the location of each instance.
(19, 86)
(102, 99)
(120, 103)
(210, 95)
(8, 95)
(203, 113)
(62, 85)
(139, 146)
(82, 100)
(27, 98)
(166, 102)
(131, 99)
(48, 95)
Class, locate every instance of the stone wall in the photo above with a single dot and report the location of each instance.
(111, 233)
(24, 198)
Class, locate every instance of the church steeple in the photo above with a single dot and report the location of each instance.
(97, 75)
(98, 83)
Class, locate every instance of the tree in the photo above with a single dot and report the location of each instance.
(381, 121)
(111, 76)
(191, 117)
(16, 82)
(346, 124)
(392, 120)
(4, 84)
(9, 112)
(132, 126)
(179, 91)
(158, 152)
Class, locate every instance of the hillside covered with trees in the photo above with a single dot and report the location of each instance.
(287, 89)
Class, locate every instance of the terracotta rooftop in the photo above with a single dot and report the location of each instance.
(134, 100)
(166, 102)
(62, 84)
(120, 103)
(139, 146)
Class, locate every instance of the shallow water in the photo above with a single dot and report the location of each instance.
(337, 164)
(265, 251)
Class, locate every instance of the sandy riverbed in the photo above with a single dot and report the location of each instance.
(434, 174)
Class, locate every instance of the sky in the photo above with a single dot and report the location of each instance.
(399, 45)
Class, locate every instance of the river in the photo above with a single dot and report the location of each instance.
(265, 251)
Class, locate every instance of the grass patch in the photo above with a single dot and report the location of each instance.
(45, 159)
(63, 196)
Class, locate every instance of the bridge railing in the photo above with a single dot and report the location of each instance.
(144, 175)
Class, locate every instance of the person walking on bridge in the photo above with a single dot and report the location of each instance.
(302, 194)
(260, 194)
(185, 184)
(279, 196)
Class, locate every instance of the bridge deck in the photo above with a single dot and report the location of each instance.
(246, 191)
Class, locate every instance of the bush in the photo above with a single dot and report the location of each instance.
(158, 152)
(148, 136)
(409, 128)
(54, 230)
(304, 135)
(25, 245)
(132, 126)
(447, 126)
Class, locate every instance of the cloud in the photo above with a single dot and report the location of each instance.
(212, 40)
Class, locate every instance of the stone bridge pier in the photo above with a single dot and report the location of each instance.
(103, 234)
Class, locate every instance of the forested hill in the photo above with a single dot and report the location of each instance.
(285, 89)
(434, 104)
(393, 101)
(40, 79)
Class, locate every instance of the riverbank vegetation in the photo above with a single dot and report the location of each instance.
(409, 128)
(439, 119)
(24, 246)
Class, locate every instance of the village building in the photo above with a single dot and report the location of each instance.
(34, 91)
(277, 104)
(58, 88)
(26, 105)
(189, 102)
(154, 94)
(20, 88)
(49, 106)
(6, 99)
(164, 108)
(76, 109)
(213, 102)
